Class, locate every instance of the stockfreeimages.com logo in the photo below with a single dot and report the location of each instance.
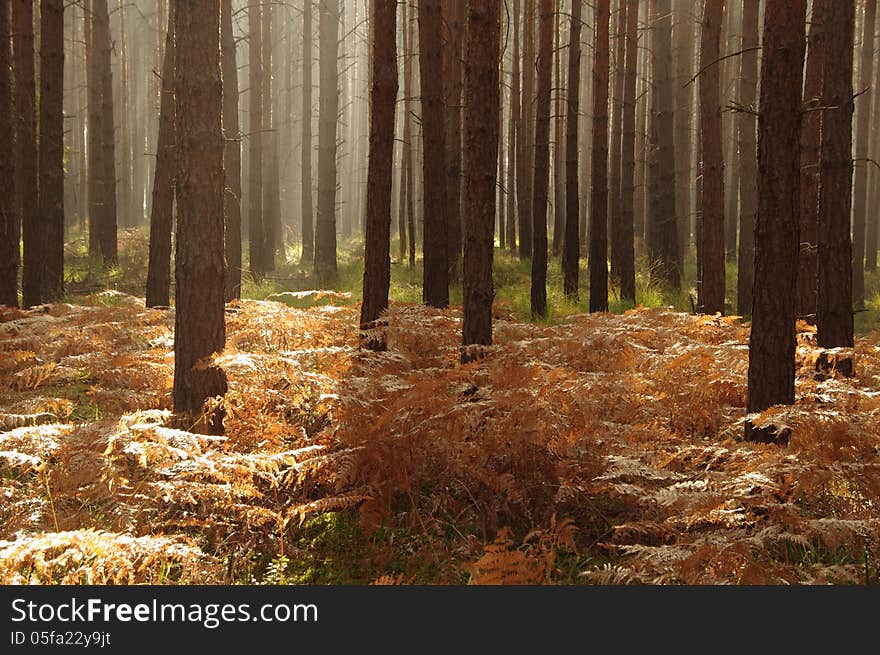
(209, 615)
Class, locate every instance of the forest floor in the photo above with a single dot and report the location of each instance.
(585, 449)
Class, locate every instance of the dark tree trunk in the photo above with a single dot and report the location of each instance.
(662, 229)
(405, 150)
(409, 137)
(571, 243)
(453, 21)
(860, 189)
(256, 227)
(712, 233)
(772, 340)
(834, 311)
(599, 202)
(107, 134)
(558, 141)
(513, 133)
(308, 232)
(328, 113)
(231, 153)
(627, 270)
(199, 327)
(683, 32)
(542, 160)
(94, 132)
(10, 221)
(161, 215)
(377, 241)
(748, 199)
(26, 150)
(810, 142)
(481, 131)
(525, 157)
(435, 244)
(52, 147)
(615, 205)
(272, 240)
(873, 204)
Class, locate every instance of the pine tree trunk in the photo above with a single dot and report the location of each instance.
(834, 302)
(772, 340)
(52, 147)
(481, 131)
(377, 241)
(571, 242)
(525, 156)
(873, 214)
(161, 215)
(26, 150)
(256, 223)
(10, 220)
(712, 233)
(627, 270)
(513, 134)
(231, 153)
(409, 136)
(614, 206)
(405, 155)
(558, 143)
(125, 158)
(453, 23)
(328, 112)
(541, 183)
(107, 134)
(599, 201)
(436, 241)
(748, 199)
(308, 232)
(683, 32)
(271, 189)
(199, 326)
(730, 94)
(860, 189)
(662, 228)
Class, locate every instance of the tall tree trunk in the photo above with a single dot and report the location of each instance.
(810, 142)
(325, 226)
(256, 223)
(599, 202)
(860, 190)
(26, 150)
(730, 94)
(662, 228)
(643, 103)
(52, 146)
(436, 241)
(571, 243)
(125, 156)
(377, 241)
(542, 160)
(161, 214)
(873, 204)
(482, 96)
(94, 131)
(834, 314)
(558, 142)
(525, 156)
(199, 326)
(712, 234)
(409, 135)
(683, 56)
(308, 232)
(627, 270)
(453, 21)
(513, 134)
(405, 154)
(772, 339)
(10, 220)
(748, 199)
(231, 153)
(614, 206)
(107, 134)
(272, 240)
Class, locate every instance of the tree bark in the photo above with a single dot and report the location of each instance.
(614, 206)
(10, 219)
(107, 134)
(627, 266)
(199, 327)
(328, 112)
(51, 183)
(599, 202)
(231, 153)
(772, 339)
(383, 100)
(571, 242)
(683, 31)
(525, 157)
(481, 131)
(308, 232)
(662, 228)
(161, 215)
(513, 133)
(712, 233)
(405, 152)
(26, 150)
(435, 243)
(834, 302)
(256, 226)
(558, 141)
(860, 189)
(748, 201)
(272, 240)
(542, 160)
(453, 21)
(873, 204)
